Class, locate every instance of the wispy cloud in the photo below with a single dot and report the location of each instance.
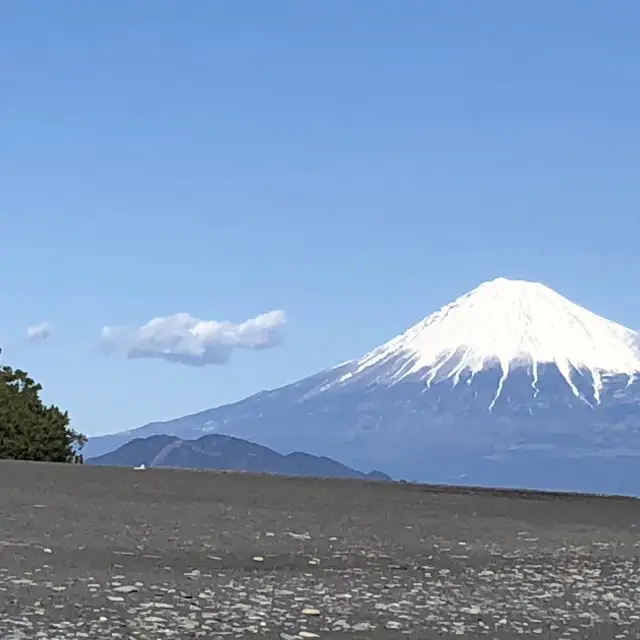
(39, 332)
(188, 340)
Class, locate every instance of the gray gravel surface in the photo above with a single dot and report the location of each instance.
(99, 552)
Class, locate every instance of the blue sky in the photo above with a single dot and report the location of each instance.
(353, 164)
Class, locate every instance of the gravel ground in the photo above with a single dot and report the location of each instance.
(115, 553)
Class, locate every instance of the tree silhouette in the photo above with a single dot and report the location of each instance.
(29, 430)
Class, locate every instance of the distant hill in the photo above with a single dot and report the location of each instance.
(226, 453)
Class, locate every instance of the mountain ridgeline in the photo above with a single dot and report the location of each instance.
(228, 454)
(510, 385)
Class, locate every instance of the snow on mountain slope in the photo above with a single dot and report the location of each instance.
(510, 323)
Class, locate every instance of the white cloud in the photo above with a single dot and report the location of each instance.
(39, 332)
(191, 341)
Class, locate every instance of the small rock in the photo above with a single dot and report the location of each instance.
(126, 588)
(298, 536)
(474, 611)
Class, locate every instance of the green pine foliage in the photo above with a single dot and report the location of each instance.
(30, 430)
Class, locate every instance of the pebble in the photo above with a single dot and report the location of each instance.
(125, 589)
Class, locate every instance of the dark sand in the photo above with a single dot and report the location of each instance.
(115, 553)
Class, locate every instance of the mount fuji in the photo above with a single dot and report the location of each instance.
(510, 385)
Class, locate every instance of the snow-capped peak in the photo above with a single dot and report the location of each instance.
(514, 323)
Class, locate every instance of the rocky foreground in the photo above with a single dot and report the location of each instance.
(115, 553)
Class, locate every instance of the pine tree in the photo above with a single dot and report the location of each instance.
(29, 430)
